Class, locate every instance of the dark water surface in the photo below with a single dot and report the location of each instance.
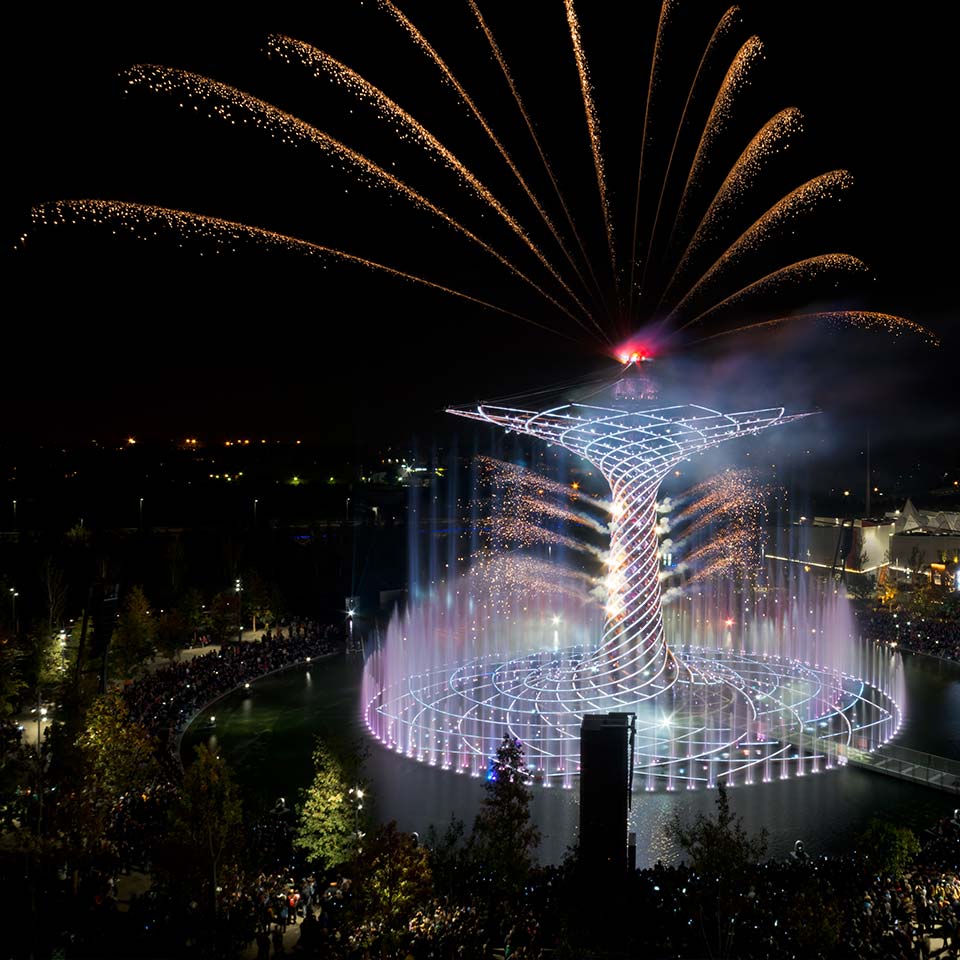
(267, 737)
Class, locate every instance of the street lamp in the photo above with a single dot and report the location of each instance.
(255, 512)
(13, 609)
(14, 514)
(348, 508)
(141, 513)
(239, 589)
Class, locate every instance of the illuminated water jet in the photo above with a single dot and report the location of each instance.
(728, 698)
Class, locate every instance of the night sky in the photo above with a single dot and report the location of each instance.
(109, 335)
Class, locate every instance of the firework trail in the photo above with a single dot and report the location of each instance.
(140, 219)
(687, 291)
(805, 198)
(525, 533)
(322, 63)
(423, 44)
(665, 11)
(793, 273)
(508, 76)
(771, 139)
(593, 128)
(722, 527)
(233, 105)
(864, 319)
(737, 77)
(512, 575)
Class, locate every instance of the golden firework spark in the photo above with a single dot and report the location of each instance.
(593, 127)
(143, 220)
(806, 198)
(220, 100)
(723, 27)
(801, 271)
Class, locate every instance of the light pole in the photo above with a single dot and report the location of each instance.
(255, 512)
(348, 508)
(141, 513)
(14, 514)
(13, 609)
(239, 588)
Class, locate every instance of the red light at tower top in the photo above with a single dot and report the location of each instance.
(633, 353)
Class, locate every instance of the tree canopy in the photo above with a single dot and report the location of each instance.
(331, 816)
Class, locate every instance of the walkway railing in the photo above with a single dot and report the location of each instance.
(913, 765)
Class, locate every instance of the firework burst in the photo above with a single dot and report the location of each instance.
(551, 256)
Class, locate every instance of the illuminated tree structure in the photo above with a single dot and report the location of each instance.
(634, 451)
(756, 706)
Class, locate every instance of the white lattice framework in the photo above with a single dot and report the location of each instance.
(703, 715)
(633, 451)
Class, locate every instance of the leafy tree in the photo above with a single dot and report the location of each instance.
(120, 756)
(46, 660)
(394, 875)
(134, 636)
(194, 612)
(448, 857)
(503, 839)
(722, 851)
(207, 820)
(172, 633)
(54, 594)
(887, 848)
(224, 617)
(12, 684)
(257, 599)
(331, 817)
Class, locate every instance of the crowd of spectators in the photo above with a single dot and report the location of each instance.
(805, 906)
(938, 637)
(167, 699)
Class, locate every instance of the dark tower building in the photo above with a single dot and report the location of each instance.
(606, 750)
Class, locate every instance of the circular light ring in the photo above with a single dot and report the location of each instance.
(719, 715)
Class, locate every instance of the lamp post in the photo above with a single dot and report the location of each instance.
(13, 609)
(348, 509)
(14, 514)
(239, 589)
(254, 512)
(141, 513)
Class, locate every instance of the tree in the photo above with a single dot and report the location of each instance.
(172, 633)
(503, 839)
(207, 819)
(724, 854)
(887, 848)
(194, 612)
(133, 639)
(394, 876)
(120, 756)
(257, 599)
(331, 816)
(224, 617)
(447, 857)
(54, 594)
